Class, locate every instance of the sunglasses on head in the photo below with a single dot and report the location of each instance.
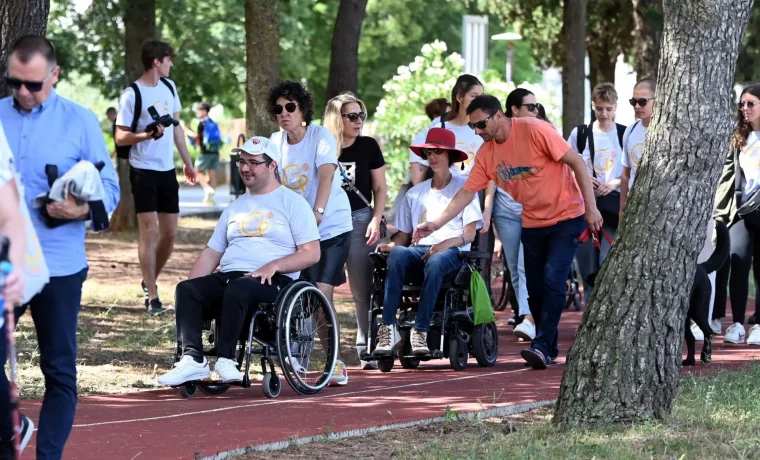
(31, 86)
(290, 107)
(642, 101)
(748, 104)
(480, 124)
(353, 116)
(427, 152)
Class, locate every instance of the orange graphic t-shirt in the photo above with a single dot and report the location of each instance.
(528, 167)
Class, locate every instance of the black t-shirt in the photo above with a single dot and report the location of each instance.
(358, 160)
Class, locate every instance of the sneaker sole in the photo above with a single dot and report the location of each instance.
(522, 335)
(191, 378)
(738, 342)
(157, 312)
(27, 435)
(533, 360)
(235, 380)
(334, 383)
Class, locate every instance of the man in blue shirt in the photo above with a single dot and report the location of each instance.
(44, 128)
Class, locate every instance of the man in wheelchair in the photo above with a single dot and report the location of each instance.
(437, 255)
(262, 241)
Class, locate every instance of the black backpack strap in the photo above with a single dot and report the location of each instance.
(51, 171)
(590, 136)
(738, 175)
(580, 137)
(621, 133)
(443, 120)
(138, 108)
(168, 85)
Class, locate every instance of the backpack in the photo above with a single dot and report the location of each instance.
(122, 151)
(212, 136)
(582, 136)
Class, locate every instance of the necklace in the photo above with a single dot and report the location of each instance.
(295, 137)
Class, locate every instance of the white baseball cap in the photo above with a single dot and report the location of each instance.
(259, 145)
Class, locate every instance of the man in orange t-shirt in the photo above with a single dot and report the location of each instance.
(533, 163)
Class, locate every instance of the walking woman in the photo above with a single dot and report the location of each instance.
(310, 160)
(362, 161)
(743, 160)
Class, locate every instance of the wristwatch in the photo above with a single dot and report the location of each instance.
(320, 210)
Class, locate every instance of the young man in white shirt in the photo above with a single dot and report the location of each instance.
(151, 158)
(635, 135)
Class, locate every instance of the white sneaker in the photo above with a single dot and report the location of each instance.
(369, 365)
(525, 330)
(227, 370)
(186, 370)
(388, 339)
(699, 336)
(208, 196)
(295, 365)
(339, 375)
(734, 334)
(754, 335)
(716, 327)
(419, 342)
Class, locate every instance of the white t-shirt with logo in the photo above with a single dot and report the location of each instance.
(156, 155)
(608, 154)
(257, 229)
(299, 170)
(749, 161)
(633, 147)
(467, 141)
(423, 204)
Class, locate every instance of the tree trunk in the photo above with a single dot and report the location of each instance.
(573, 68)
(647, 18)
(19, 18)
(625, 363)
(139, 26)
(344, 56)
(262, 47)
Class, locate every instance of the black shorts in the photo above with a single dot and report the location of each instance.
(330, 268)
(154, 191)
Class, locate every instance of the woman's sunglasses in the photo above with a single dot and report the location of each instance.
(531, 107)
(290, 107)
(427, 152)
(640, 101)
(353, 116)
(748, 104)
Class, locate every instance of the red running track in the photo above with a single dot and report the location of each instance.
(161, 424)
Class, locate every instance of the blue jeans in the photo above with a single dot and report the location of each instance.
(402, 260)
(549, 253)
(590, 260)
(509, 227)
(55, 312)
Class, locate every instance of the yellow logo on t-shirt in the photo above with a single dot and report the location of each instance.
(751, 157)
(255, 224)
(423, 216)
(636, 152)
(293, 179)
(604, 160)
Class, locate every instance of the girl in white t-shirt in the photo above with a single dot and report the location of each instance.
(309, 168)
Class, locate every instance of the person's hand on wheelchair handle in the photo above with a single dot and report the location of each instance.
(265, 273)
(386, 247)
(423, 230)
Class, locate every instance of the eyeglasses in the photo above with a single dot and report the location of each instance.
(249, 163)
(641, 101)
(749, 104)
(32, 86)
(353, 116)
(427, 152)
(290, 107)
(530, 107)
(481, 124)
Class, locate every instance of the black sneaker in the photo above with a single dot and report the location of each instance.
(155, 307)
(27, 428)
(535, 358)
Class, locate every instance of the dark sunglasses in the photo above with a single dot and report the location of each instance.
(531, 107)
(32, 86)
(290, 107)
(353, 116)
(641, 101)
(249, 163)
(481, 124)
(427, 152)
(748, 104)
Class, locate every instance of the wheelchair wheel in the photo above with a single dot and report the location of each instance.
(485, 344)
(213, 390)
(307, 338)
(188, 390)
(385, 365)
(458, 353)
(271, 385)
(500, 276)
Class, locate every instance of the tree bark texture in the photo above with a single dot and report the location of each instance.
(647, 18)
(19, 18)
(625, 363)
(344, 56)
(262, 44)
(573, 68)
(139, 26)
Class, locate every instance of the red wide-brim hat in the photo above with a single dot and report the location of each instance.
(440, 138)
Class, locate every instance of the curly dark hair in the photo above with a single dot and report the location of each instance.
(743, 128)
(292, 91)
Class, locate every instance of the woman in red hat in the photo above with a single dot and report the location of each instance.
(434, 256)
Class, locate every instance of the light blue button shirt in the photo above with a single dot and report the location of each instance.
(58, 132)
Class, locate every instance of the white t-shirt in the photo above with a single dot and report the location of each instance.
(749, 161)
(156, 155)
(467, 141)
(257, 229)
(299, 169)
(608, 154)
(423, 204)
(633, 147)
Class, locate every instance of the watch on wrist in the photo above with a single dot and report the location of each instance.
(320, 210)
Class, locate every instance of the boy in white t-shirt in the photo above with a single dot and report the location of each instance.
(436, 255)
(262, 241)
(635, 135)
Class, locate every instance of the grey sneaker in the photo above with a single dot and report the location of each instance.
(535, 358)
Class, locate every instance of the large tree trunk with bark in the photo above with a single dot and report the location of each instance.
(625, 363)
(344, 56)
(262, 45)
(139, 26)
(573, 68)
(602, 57)
(647, 18)
(19, 18)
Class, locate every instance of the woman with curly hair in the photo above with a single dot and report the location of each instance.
(309, 167)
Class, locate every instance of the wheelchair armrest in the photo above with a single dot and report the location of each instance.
(475, 255)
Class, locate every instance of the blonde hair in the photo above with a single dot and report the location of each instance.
(604, 92)
(333, 117)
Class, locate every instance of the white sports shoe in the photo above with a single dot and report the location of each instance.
(699, 336)
(227, 370)
(716, 327)
(186, 370)
(525, 330)
(388, 339)
(734, 334)
(754, 335)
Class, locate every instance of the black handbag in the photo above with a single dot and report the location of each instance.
(609, 204)
(749, 212)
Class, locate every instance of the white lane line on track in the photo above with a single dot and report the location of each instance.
(302, 400)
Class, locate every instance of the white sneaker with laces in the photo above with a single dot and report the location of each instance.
(388, 339)
(699, 336)
(525, 330)
(716, 327)
(419, 342)
(734, 334)
(227, 370)
(186, 370)
(754, 335)
(339, 375)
